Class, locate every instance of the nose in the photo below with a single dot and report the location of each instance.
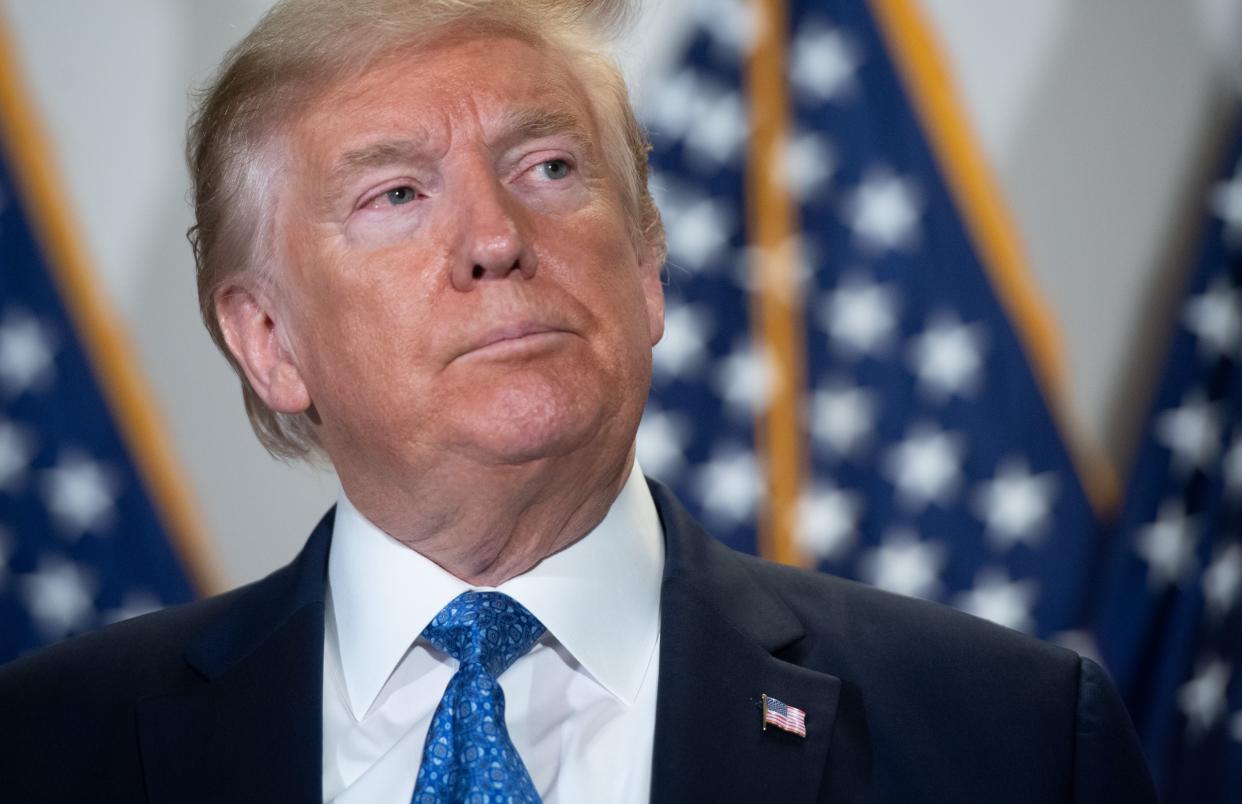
(494, 242)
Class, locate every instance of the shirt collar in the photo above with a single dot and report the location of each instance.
(383, 594)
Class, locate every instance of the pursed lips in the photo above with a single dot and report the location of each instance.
(513, 339)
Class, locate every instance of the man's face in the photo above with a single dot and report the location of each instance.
(456, 273)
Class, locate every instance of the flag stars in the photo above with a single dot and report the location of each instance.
(17, 450)
(670, 109)
(1227, 205)
(709, 117)
(662, 440)
(720, 127)
(947, 357)
(1167, 545)
(906, 565)
(135, 604)
(683, 349)
(843, 418)
(1191, 432)
(59, 596)
(1222, 581)
(860, 315)
(997, 598)
(698, 233)
(27, 353)
(827, 522)
(1081, 641)
(733, 24)
(746, 380)
(80, 493)
(1215, 318)
(884, 211)
(1202, 699)
(926, 467)
(824, 63)
(1016, 504)
(807, 163)
(728, 485)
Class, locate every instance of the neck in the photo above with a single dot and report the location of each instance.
(488, 525)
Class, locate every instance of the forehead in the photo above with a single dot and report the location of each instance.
(428, 93)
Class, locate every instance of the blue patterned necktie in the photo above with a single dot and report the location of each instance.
(468, 755)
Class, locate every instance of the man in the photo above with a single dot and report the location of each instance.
(425, 242)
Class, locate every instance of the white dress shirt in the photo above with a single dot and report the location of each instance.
(580, 706)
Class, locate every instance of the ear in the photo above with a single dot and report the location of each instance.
(650, 267)
(249, 322)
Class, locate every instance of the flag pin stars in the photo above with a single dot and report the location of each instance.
(783, 716)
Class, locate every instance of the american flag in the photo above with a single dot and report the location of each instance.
(81, 544)
(933, 466)
(783, 716)
(1169, 623)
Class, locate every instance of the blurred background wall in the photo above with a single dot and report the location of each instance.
(1102, 121)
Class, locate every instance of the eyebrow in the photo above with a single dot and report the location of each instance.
(534, 122)
(515, 126)
(374, 155)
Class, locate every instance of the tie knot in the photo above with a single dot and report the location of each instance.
(490, 628)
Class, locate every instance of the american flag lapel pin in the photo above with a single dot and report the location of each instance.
(783, 716)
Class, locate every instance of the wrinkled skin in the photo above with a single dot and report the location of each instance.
(460, 301)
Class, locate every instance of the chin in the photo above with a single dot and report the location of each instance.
(514, 428)
(515, 443)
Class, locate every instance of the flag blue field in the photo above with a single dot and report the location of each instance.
(81, 542)
(932, 465)
(1169, 624)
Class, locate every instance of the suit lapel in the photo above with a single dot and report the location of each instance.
(720, 629)
(251, 727)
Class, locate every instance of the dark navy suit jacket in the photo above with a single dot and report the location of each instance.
(221, 700)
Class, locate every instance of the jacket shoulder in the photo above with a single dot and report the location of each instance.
(132, 655)
(71, 712)
(891, 627)
(156, 652)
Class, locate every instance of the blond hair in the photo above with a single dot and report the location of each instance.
(300, 48)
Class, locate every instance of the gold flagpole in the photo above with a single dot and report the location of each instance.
(776, 312)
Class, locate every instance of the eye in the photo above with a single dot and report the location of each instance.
(555, 169)
(400, 195)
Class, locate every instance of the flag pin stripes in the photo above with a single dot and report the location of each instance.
(783, 716)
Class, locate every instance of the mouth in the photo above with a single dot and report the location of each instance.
(514, 340)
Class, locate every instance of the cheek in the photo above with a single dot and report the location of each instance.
(362, 319)
(367, 286)
(625, 338)
(621, 294)
(374, 230)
